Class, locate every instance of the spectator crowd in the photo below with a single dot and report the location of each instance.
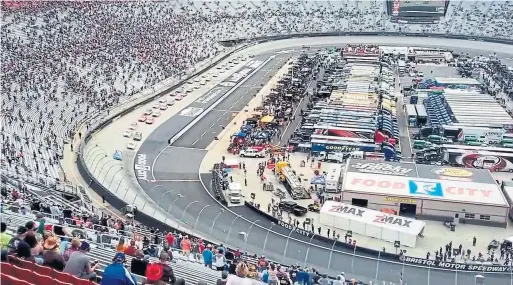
(64, 61)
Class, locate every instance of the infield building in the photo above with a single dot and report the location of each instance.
(425, 191)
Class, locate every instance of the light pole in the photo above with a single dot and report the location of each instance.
(164, 195)
(98, 163)
(308, 249)
(214, 222)
(104, 178)
(267, 235)
(172, 203)
(247, 235)
(206, 206)
(185, 210)
(230, 229)
(89, 151)
(331, 254)
(101, 169)
(287, 243)
(94, 158)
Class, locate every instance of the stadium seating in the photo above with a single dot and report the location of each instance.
(63, 62)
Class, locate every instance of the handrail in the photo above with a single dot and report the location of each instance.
(148, 220)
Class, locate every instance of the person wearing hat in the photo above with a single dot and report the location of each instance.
(166, 273)
(116, 273)
(20, 235)
(208, 256)
(51, 256)
(79, 265)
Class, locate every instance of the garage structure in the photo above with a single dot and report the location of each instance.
(430, 192)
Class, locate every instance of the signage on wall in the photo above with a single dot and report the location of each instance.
(383, 168)
(385, 219)
(141, 167)
(456, 266)
(401, 200)
(296, 229)
(343, 208)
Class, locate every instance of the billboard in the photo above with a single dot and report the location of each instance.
(418, 188)
(420, 171)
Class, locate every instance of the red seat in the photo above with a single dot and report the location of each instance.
(23, 263)
(68, 278)
(10, 280)
(45, 270)
(58, 282)
(43, 279)
(7, 268)
(23, 274)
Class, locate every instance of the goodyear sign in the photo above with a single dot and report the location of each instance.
(343, 147)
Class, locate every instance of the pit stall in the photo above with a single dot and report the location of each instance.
(439, 193)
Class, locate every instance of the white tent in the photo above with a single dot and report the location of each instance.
(371, 223)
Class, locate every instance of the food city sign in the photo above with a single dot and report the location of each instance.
(141, 167)
(393, 185)
(456, 266)
(296, 229)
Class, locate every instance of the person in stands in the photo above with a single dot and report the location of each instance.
(4, 236)
(131, 249)
(79, 264)
(13, 243)
(208, 256)
(138, 264)
(161, 272)
(51, 256)
(121, 247)
(116, 273)
(75, 246)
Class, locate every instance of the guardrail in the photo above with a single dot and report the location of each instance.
(151, 221)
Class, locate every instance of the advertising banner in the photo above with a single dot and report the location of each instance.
(457, 266)
(414, 187)
(385, 168)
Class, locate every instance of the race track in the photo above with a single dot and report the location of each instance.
(176, 167)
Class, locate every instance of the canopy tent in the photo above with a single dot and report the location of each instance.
(266, 119)
(371, 223)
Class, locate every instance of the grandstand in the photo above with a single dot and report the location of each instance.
(64, 62)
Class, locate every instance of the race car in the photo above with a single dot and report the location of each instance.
(142, 118)
(127, 133)
(150, 120)
(133, 126)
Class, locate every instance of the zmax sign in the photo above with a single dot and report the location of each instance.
(347, 210)
(384, 219)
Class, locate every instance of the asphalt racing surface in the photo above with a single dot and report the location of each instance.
(175, 169)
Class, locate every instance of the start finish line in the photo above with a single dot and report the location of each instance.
(458, 266)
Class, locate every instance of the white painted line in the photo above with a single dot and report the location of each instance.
(198, 118)
(203, 134)
(184, 147)
(195, 142)
(179, 180)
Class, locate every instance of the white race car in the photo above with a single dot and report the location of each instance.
(127, 133)
(131, 145)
